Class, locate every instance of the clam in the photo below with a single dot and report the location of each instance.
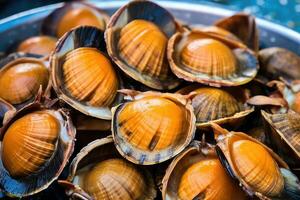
(279, 62)
(6, 109)
(72, 15)
(222, 106)
(211, 59)
(82, 74)
(243, 26)
(137, 43)
(153, 127)
(253, 164)
(36, 144)
(284, 133)
(99, 172)
(21, 77)
(39, 45)
(197, 173)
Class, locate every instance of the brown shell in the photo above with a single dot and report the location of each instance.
(221, 106)
(218, 31)
(279, 62)
(211, 59)
(137, 43)
(153, 127)
(284, 132)
(254, 165)
(197, 173)
(39, 45)
(21, 78)
(98, 172)
(72, 15)
(95, 90)
(243, 26)
(43, 136)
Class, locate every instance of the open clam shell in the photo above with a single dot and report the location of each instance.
(218, 105)
(284, 133)
(211, 59)
(82, 74)
(72, 15)
(21, 76)
(243, 26)
(197, 173)
(153, 127)
(253, 164)
(137, 43)
(36, 144)
(99, 172)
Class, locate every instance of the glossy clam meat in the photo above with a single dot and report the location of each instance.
(21, 79)
(153, 125)
(165, 117)
(255, 166)
(114, 179)
(197, 173)
(211, 58)
(90, 77)
(143, 45)
(30, 138)
(244, 155)
(40, 45)
(201, 179)
(199, 54)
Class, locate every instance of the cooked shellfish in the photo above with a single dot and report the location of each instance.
(98, 172)
(72, 15)
(82, 74)
(197, 173)
(137, 42)
(21, 79)
(153, 127)
(36, 144)
(211, 59)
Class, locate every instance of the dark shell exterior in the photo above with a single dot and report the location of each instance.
(284, 132)
(34, 183)
(278, 62)
(218, 105)
(243, 26)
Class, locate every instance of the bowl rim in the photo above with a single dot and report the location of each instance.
(19, 18)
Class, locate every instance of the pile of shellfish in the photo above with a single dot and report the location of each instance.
(140, 105)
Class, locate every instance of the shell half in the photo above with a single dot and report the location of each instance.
(211, 59)
(83, 76)
(152, 128)
(137, 43)
(36, 144)
(99, 172)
